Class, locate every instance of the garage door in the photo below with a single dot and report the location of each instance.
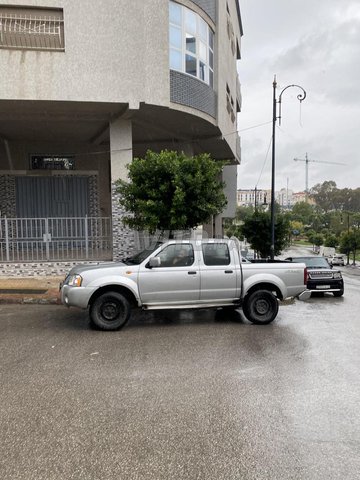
(62, 196)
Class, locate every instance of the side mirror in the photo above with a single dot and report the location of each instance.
(154, 262)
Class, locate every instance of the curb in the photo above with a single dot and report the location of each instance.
(29, 301)
(30, 290)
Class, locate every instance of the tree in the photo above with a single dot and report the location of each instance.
(350, 243)
(331, 241)
(315, 238)
(324, 195)
(296, 227)
(171, 191)
(232, 226)
(257, 230)
(243, 212)
(302, 212)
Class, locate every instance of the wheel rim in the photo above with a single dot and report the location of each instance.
(262, 307)
(110, 311)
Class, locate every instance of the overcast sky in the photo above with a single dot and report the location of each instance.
(315, 44)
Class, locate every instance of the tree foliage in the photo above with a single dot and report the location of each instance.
(302, 212)
(257, 230)
(328, 197)
(331, 241)
(324, 195)
(350, 243)
(171, 191)
(315, 238)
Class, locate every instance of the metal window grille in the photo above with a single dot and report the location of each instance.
(31, 31)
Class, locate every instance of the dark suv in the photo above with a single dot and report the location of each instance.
(321, 276)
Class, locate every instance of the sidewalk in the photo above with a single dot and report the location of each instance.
(27, 290)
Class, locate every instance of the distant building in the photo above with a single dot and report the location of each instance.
(285, 198)
(252, 197)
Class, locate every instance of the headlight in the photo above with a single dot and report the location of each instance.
(74, 280)
(337, 275)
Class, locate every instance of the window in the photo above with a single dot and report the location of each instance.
(31, 28)
(177, 255)
(216, 254)
(230, 104)
(191, 43)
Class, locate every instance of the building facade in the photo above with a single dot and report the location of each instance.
(87, 86)
(253, 197)
(285, 197)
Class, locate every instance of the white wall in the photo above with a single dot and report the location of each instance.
(115, 51)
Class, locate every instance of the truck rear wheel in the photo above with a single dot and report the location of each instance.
(110, 311)
(260, 307)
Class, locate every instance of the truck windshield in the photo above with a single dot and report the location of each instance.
(141, 256)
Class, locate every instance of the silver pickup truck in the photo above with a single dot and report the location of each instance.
(181, 275)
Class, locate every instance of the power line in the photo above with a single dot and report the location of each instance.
(262, 169)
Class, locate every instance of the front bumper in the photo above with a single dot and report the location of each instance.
(76, 296)
(325, 285)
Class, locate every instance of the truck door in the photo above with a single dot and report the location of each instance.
(219, 273)
(176, 281)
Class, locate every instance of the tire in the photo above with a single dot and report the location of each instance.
(340, 293)
(260, 307)
(110, 311)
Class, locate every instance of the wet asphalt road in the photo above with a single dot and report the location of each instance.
(181, 395)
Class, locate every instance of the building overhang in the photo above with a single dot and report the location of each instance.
(153, 127)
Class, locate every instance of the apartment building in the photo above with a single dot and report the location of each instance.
(253, 197)
(285, 197)
(87, 86)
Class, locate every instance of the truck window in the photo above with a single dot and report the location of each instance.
(140, 257)
(216, 254)
(177, 255)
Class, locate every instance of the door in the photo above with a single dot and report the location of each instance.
(219, 273)
(175, 282)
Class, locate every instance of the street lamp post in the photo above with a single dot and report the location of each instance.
(300, 97)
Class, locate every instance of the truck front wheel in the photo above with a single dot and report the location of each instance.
(110, 311)
(260, 307)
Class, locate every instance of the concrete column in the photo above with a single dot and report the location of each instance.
(120, 156)
(121, 148)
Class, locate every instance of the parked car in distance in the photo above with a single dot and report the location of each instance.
(337, 260)
(322, 277)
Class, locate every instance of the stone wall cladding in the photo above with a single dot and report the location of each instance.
(94, 210)
(209, 7)
(39, 269)
(124, 239)
(7, 196)
(192, 92)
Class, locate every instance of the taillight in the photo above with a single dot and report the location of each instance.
(306, 275)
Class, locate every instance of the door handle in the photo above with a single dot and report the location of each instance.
(191, 273)
(229, 271)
